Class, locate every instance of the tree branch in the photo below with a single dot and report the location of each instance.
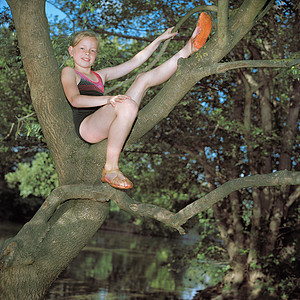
(267, 7)
(292, 198)
(222, 24)
(146, 210)
(176, 220)
(224, 67)
(281, 63)
(38, 228)
(273, 179)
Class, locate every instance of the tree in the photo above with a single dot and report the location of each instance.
(77, 208)
(241, 134)
(18, 124)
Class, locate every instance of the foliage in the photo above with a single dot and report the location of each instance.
(37, 178)
(19, 129)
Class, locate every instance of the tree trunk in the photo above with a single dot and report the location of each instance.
(34, 258)
(27, 263)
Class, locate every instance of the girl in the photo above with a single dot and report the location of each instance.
(96, 116)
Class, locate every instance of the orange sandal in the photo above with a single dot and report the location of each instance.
(117, 180)
(204, 26)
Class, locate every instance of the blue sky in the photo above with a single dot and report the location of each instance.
(51, 11)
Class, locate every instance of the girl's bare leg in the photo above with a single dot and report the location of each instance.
(114, 123)
(163, 72)
(157, 76)
(126, 113)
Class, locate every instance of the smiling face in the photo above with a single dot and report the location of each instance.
(84, 52)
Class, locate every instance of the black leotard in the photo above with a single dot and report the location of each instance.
(89, 88)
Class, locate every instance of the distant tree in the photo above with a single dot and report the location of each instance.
(74, 211)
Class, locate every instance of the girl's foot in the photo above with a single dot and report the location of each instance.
(203, 29)
(116, 179)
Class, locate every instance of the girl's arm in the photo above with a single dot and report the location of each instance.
(125, 68)
(68, 79)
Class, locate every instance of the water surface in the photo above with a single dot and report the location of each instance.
(117, 266)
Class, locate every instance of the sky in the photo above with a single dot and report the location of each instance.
(51, 11)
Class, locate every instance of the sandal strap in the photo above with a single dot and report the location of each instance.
(117, 181)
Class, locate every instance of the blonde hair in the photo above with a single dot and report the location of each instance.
(82, 35)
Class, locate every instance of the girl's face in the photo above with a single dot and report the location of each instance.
(85, 52)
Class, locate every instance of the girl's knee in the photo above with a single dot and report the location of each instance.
(142, 80)
(139, 87)
(129, 108)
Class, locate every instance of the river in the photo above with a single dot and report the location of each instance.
(121, 266)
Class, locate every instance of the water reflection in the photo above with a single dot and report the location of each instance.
(117, 266)
(124, 266)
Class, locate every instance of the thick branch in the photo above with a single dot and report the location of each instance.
(189, 72)
(157, 109)
(99, 193)
(50, 221)
(38, 226)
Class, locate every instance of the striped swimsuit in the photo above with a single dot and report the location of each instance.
(89, 88)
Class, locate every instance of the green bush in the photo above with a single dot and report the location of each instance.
(37, 178)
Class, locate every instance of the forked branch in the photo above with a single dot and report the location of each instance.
(39, 225)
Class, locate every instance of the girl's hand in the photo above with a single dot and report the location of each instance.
(113, 100)
(168, 34)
